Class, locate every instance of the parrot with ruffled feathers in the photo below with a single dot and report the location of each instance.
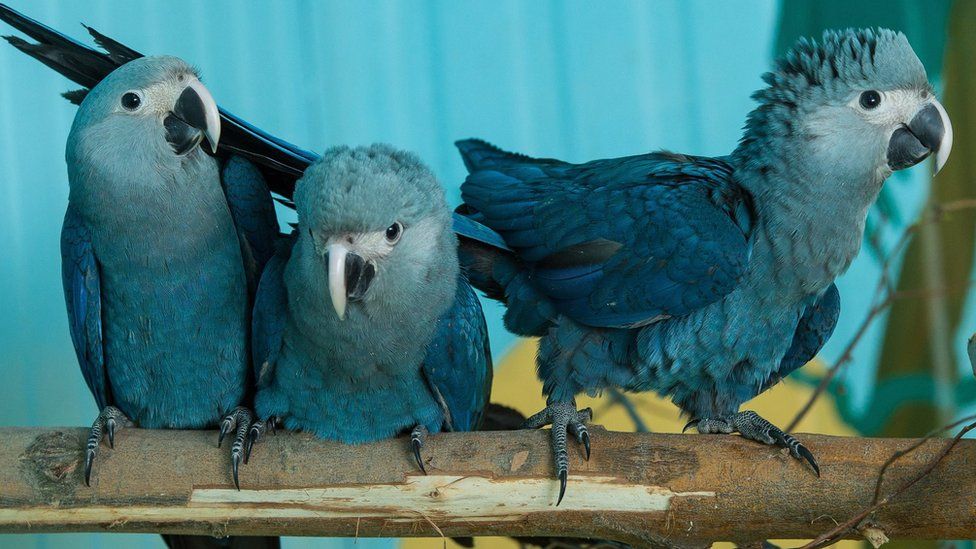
(364, 326)
(706, 280)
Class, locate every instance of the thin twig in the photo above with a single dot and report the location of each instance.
(619, 398)
(836, 533)
(897, 455)
(884, 295)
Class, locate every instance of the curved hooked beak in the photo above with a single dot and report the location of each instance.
(349, 277)
(928, 131)
(194, 117)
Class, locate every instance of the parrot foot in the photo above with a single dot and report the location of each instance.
(754, 427)
(110, 419)
(258, 429)
(417, 438)
(240, 419)
(564, 417)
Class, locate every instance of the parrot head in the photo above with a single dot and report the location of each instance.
(854, 107)
(153, 109)
(374, 221)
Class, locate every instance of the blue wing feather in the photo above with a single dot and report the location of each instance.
(812, 331)
(252, 209)
(270, 309)
(620, 242)
(458, 362)
(82, 295)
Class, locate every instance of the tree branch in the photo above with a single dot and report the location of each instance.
(644, 489)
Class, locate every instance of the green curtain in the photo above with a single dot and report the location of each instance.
(909, 338)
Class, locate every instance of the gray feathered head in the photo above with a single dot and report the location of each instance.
(148, 114)
(375, 221)
(855, 106)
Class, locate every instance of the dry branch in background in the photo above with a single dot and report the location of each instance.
(886, 293)
(645, 489)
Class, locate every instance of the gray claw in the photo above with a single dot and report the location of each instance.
(690, 424)
(807, 455)
(585, 437)
(110, 431)
(108, 419)
(754, 427)
(416, 455)
(239, 419)
(236, 460)
(89, 459)
(563, 476)
(225, 427)
(252, 436)
(417, 437)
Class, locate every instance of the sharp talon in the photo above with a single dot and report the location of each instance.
(224, 429)
(237, 462)
(252, 437)
(272, 428)
(110, 429)
(416, 454)
(807, 455)
(690, 424)
(586, 443)
(89, 458)
(563, 475)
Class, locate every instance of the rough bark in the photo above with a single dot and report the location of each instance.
(644, 489)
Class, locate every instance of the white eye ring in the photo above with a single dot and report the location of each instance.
(132, 100)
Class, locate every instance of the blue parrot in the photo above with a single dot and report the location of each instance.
(706, 280)
(157, 285)
(364, 326)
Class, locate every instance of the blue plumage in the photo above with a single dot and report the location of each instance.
(706, 280)
(156, 288)
(252, 211)
(364, 326)
(457, 365)
(83, 298)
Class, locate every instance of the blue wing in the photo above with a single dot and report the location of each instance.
(82, 295)
(270, 308)
(252, 209)
(812, 331)
(458, 362)
(620, 242)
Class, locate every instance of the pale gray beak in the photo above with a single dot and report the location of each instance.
(349, 276)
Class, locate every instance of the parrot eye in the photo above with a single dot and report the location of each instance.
(393, 232)
(870, 99)
(131, 101)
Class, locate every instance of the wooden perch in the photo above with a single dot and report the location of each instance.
(645, 489)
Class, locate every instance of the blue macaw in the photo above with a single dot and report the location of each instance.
(706, 280)
(364, 326)
(157, 288)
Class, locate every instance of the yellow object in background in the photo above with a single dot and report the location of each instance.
(516, 385)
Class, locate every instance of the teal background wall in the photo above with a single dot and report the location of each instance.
(575, 80)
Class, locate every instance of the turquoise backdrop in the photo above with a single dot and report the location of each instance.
(575, 80)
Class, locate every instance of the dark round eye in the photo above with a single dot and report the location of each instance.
(870, 99)
(393, 232)
(131, 101)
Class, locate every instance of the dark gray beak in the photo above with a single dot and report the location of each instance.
(194, 117)
(929, 131)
